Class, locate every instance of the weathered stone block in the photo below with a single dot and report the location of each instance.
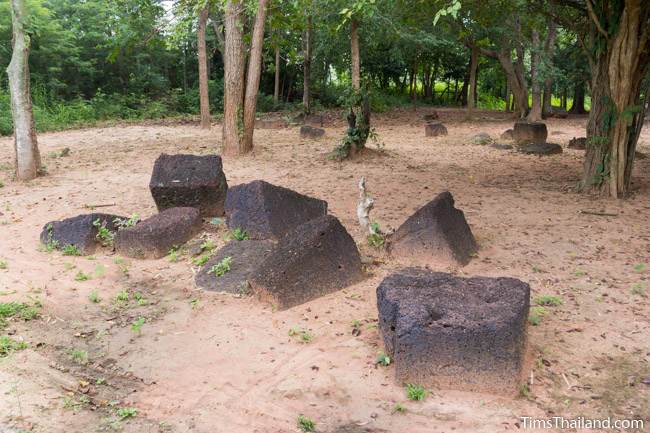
(437, 234)
(317, 258)
(448, 332)
(540, 149)
(189, 181)
(307, 131)
(267, 211)
(529, 132)
(154, 237)
(435, 129)
(78, 231)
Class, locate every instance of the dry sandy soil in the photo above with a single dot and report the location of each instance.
(206, 362)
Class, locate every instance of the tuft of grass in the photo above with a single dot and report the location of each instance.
(305, 424)
(136, 326)
(399, 408)
(122, 296)
(207, 245)
(17, 309)
(94, 298)
(81, 276)
(640, 267)
(126, 412)
(70, 250)
(638, 289)
(140, 299)
(79, 356)
(536, 314)
(524, 390)
(201, 260)
(303, 335)
(415, 392)
(548, 301)
(383, 359)
(237, 234)
(8, 345)
(173, 254)
(221, 268)
(104, 235)
(3, 264)
(376, 240)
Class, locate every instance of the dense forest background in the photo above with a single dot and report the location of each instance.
(95, 60)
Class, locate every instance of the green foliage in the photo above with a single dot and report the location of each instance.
(79, 356)
(126, 412)
(81, 276)
(8, 345)
(3, 264)
(70, 250)
(548, 301)
(104, 235)
(303, 335)
(415, 392)
(19, 310)
(94, 298)
(122, 223)
(305, 424)
(237, 234)
(536, 314)
(136, 326)
(221, 268)
(383, 359)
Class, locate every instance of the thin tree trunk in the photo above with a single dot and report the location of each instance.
(549, 49)
(28, 158)
(535, 114)
(254, 73)
(204, 98)
(471, 101)
(356, 61)
(276, 88)
(233, 106)
(578, 106)
(306, 97)
(507, 95)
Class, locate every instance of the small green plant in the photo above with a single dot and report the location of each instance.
(122, 223)
(173, 254)
(383, 359)
(222, 267)
(524, 390)
(640, 267)
(415, 392)
(548, 301)
(79, 356)
(579, 273)
(94, 298)
(302, 334)
(8, 345)
(70, 250)
(16, 309)
(51, 243)
(140, 299)
(399, 408)
(122, 296)
(81, 276)
(104, 235)
(638, 289)
(100, 381)
(3, 264)
(126, 412)
(535, 315)
(237, 234)
(207, 245)
(537, 269)
(376, 240)
(201, 260)
(305, 424)
(136, 326)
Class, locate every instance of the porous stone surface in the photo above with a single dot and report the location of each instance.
(189, 181)
(153, 237)
(507, 135)
(529, 132)
(245, 256)
(317, 258)
(307, 131)
(481, 139)
(448, 332)
(540, 149)
(579, 143)
(437, 234)
(267, 211)
(431, 116)
(78, 231)
(270, 123)
(435, 129)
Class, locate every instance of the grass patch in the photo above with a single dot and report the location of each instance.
(8, 345)
(70, 250)
(548, 301)
(237, 234)
(415, 392)
(303, 335)
(305, 424)
(221, 268)
(536, 314)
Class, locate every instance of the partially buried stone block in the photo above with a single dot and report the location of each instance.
(529, 132)
(437, 234)
(79, 231)
(448, 332)
(189, 181)
(267, 211)
(317, 258)
(435, 129)
(156, 236)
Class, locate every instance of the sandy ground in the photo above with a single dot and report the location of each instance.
(205, 362)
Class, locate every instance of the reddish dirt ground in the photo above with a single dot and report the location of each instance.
(206, 362)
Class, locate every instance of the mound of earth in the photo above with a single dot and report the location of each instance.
(443, 331)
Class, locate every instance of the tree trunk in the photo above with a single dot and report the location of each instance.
(233, 82)
(471, 100)
(535, 114)
(28, 158)
(578, 106)
(306, 97)
(204, 99)
(356, 61)
(276, 88)
(549, 50)
(514, 74)
(507, 95)
(615, 120)
(254, 73)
